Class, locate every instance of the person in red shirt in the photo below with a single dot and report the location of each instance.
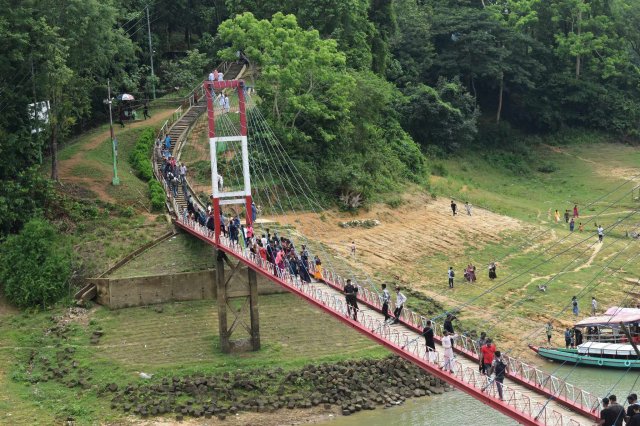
(487, 354)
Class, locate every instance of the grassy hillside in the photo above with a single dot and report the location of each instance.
(177, 340)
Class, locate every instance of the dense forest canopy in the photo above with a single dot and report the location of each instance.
(358, 90)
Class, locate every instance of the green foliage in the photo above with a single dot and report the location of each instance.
(35, 265)
(186, 72)
(342, 123)
(444, 116)
(140, 157)
(157, 194)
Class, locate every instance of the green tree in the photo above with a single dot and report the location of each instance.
(35, 265)
(444, 116)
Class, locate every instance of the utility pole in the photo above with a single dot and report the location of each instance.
(153, 83)
(114, 141)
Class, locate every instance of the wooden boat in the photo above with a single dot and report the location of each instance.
(606, 344)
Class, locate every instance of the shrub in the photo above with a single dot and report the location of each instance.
(157, 195)
(140, 157)
(547, 168)
(439, 169)
(35, 265)
(394, 202)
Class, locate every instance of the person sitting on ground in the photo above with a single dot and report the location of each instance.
(542, 287)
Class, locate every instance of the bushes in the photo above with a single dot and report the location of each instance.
(140, 158)
(157, 195)
(141, 161)
(35, 265)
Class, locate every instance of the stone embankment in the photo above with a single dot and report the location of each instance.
(351, 386)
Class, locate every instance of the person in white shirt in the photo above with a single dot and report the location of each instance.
(220, 76)
(594, 306)
(600, 233)
(386, 298)
(400, 299)
(211, 77)
(447, 344)
(226, 103)
(220, 183)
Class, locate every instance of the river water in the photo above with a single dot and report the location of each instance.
(457, 408)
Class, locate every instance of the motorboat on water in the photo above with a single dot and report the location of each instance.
(600, 341)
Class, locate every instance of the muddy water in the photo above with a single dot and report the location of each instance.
(456, 408)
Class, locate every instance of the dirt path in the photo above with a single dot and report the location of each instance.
(65, 167)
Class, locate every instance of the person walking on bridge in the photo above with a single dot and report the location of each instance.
(498, 370)
(488, 351)
(480, 344)
(350, 293)
(447, 344)
(400, 299)
(429, 342)
(386, 298)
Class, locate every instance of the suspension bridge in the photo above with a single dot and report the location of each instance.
(531, 396)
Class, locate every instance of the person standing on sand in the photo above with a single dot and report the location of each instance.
(454, 206)
(353, 248)
(467, 207)
(557, 216)
(549, 330)
(492, 271)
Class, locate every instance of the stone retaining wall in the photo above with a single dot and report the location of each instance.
(117, 293)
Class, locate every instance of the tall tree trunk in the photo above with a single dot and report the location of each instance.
(499, 112)
(53, 144)
(579, 32)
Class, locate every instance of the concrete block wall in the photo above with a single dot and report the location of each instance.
(117, 293)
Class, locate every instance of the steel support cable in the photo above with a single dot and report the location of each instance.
(550, 227)
(540, 254)
(566, 237)
(590, 287)
(263, 126)
(557, 274)
(295, 172)
(512, 277)
(267, 157)
(580, 359)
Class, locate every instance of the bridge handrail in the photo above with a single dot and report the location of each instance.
(518, 401)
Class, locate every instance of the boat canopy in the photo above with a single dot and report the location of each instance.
(612, 318)
(598, 348)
